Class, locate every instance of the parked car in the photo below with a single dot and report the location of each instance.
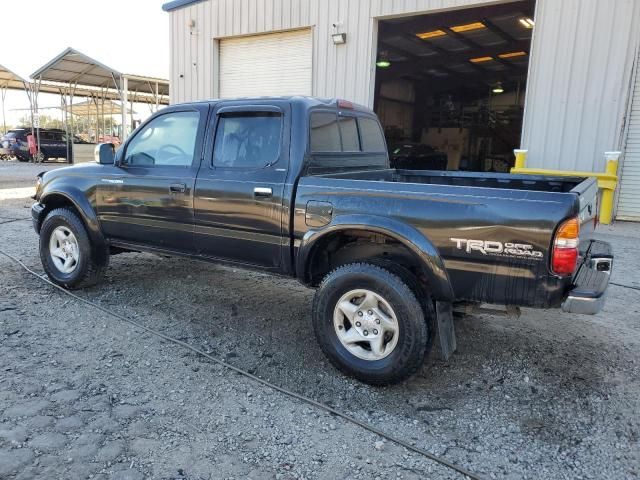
(417, 156)
(53, 144)
(302, 187)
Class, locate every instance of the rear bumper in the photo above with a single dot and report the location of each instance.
(591, 281)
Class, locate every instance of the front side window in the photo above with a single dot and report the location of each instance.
(168, 140)
(247, 140)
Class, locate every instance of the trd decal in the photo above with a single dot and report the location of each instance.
(491, 247)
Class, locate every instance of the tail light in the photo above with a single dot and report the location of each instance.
(564, 258)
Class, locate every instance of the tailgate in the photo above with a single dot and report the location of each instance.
(587, 192)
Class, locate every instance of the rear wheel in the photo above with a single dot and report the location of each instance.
(369, 324)
(66, 251)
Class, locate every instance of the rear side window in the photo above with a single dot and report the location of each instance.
(325, 135)
(247, 140)
(371, 135)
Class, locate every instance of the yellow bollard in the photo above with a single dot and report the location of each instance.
(607, 180)
(521, 158)
(608, 187)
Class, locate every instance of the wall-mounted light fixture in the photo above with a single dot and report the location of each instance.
(526, 22)
(339, 38)
(497, 88)
(383, 60)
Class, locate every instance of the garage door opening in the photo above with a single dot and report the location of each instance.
(270, 64)
(450, 87)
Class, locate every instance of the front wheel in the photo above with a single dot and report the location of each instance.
(66, 251)
(369, 324)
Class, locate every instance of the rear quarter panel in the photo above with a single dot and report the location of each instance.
(450, 216)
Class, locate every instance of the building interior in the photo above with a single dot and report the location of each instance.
(450, 87)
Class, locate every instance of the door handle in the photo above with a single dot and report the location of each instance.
(177, 188)
(264, 192)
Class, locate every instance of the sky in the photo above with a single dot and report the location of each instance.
(131, 36)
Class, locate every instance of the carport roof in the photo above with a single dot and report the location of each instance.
(72, 66)
(141, 84)
(11, 80)
(90, 108)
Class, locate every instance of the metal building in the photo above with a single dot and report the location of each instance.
(579, 66)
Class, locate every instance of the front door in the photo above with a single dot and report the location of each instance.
(148, 199)
(239, 209)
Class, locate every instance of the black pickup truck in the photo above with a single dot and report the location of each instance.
(302, 187)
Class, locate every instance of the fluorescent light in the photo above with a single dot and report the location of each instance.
(468, 27)
(339, 38)
(480, 59)
(431, 34)
(512, 54)
(526, 22)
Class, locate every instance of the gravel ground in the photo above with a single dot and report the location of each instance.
(84, 395)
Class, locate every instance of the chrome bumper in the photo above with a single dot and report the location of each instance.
(591, 281)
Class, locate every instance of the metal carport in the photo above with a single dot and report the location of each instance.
(72, 69)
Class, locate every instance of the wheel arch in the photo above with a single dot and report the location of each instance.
(404, 242)
(77, 200)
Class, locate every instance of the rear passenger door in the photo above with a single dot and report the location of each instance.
(239, 210)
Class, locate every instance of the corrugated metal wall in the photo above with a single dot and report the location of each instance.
(579, 72)
(345, 71)
(579, 79)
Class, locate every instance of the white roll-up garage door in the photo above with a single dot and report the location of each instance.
(629, 200)
(272, 64)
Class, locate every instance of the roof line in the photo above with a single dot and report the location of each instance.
(175, 4)
(67, 51)
(143, 78)
(19, 77)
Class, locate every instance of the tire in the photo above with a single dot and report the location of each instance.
(394, 300)
(91, 263)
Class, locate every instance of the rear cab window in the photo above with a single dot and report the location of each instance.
(345, 140)
(371, 135)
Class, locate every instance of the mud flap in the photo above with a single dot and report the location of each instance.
(446, 331)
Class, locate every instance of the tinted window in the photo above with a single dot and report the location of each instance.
(325, 136)
(168, 140)
(247, 139)
(349, 133)
(371, 135)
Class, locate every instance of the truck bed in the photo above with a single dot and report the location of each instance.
(467, 179)
(451, 208)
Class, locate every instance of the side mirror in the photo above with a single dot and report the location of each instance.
(105, 153)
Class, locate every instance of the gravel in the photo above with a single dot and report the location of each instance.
(83, 395)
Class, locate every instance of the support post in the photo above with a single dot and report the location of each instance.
(4, 122)
(608, 191)
(124, 100)
(521, 158)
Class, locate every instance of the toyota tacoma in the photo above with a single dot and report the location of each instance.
(302, 187)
